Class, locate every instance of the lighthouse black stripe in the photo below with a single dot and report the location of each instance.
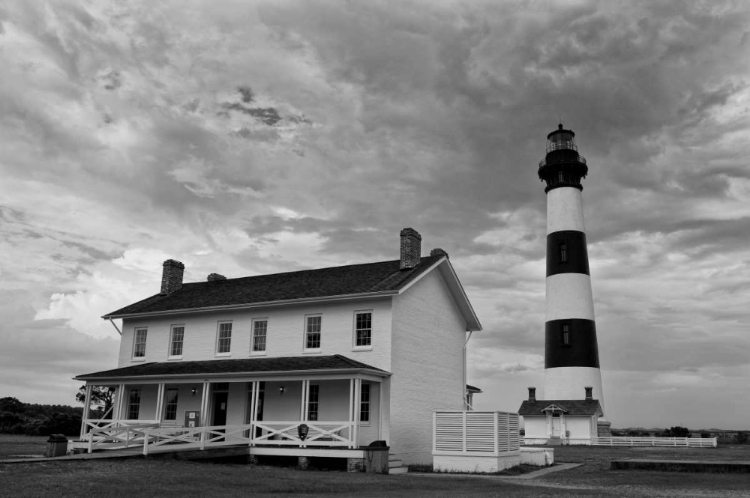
(581, 349)
(566, 253)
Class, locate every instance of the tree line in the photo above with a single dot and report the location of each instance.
(32, 419)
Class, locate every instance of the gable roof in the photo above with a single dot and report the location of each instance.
(537, 407)
(287, 364)
(341, 282)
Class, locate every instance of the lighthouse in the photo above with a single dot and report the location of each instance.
(573, 406)
(571, 353)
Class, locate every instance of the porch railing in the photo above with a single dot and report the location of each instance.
(118, 434)
(115, 434)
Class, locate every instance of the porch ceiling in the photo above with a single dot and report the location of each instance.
(252, 367)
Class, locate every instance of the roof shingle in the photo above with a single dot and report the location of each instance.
(237, 366)
(571, 406)
(307, 284)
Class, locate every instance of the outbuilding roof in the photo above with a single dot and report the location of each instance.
(250, 366)
(384, 278)
(568, 406)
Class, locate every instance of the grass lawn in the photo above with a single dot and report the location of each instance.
(166, 478)
(15, 446)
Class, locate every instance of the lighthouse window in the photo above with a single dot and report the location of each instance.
(566, 334)
(563, 252)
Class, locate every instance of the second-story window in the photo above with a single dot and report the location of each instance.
(260, 329)
(313, 327)
(224, 341)
(139, 343)
(363, 329)
(175, 343)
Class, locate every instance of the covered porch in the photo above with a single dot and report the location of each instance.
(333, 403)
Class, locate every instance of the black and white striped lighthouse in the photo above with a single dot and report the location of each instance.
(571, 355)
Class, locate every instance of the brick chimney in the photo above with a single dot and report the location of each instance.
(532, 394)
(411, 248)
(439, 252)
(213, 277)
(171, 278)
(589, 392)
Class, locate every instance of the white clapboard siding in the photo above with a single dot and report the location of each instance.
(463, 432)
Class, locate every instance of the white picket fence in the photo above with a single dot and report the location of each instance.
(683, 442)
(474, 432)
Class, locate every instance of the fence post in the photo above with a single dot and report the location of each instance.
(145, 442)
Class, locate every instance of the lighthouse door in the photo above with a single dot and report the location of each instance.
(555, 425)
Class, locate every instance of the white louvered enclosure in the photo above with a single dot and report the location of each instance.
(474, 432)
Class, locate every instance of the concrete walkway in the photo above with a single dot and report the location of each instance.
(125, 453)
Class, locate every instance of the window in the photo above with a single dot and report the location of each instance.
(170, 412)
(139, 343)
(363, 329)
(260, 329)
(312, 402)
(224, 342)
(312, 332)
(566, 334)
(564, 252)
(364, 404)
(134, 404)
(175, 344)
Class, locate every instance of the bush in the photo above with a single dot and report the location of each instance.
(705, 435)
(741, 437)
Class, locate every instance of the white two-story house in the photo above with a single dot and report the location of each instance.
(356, 354)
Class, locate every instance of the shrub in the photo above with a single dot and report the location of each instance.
(742, 437)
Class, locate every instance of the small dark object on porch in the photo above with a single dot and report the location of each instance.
(57, 445)
(378, 444)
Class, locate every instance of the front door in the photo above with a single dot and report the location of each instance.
(219, 412)
(555, 425)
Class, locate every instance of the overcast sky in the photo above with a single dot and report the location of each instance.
(252, 137)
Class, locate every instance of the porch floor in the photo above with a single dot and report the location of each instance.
(226, 450)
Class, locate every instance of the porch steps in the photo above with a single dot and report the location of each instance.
(395, 465)
(554, 441)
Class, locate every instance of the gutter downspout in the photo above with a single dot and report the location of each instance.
(465, 391)
(120, 332)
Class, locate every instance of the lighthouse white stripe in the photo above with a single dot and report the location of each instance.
(564, 210)
(570, 383)
(569, 296)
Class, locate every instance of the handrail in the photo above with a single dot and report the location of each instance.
(567, 145)
(579, 158)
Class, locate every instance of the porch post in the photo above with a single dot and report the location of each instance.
(303, 403)
(86, 409)
(159, 401)
(120, 401)
(351, 413)
(204, 403)
(253, 409)
(357, 409)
